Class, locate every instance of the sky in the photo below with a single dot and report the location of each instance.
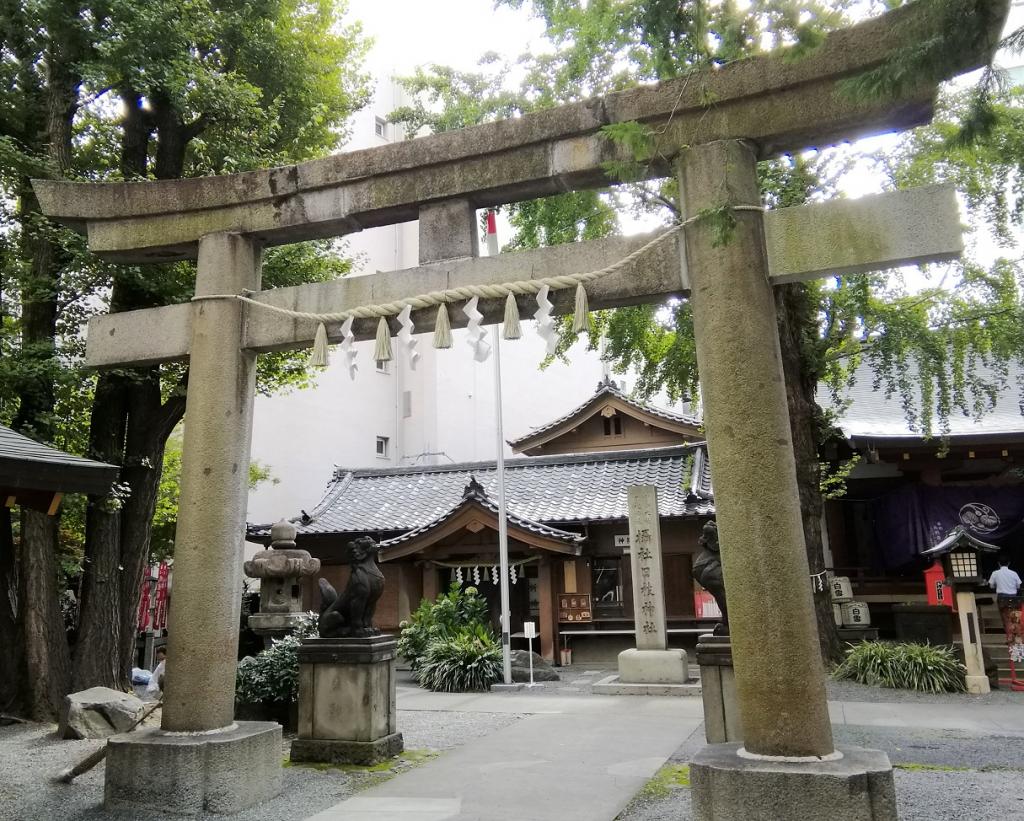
(410, 33)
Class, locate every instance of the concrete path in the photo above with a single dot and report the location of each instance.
(568, 758)
(585, 757)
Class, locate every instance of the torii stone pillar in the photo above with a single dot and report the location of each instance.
(202, 632)
(200, 759)
(780, 679)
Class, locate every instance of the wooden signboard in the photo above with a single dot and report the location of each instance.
(574, 607)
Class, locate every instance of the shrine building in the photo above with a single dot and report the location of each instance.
(567, 526)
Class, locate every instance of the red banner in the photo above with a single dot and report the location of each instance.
(160, 616)
(144, 602)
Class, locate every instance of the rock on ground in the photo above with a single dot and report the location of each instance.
(542, 670)
(98, 712)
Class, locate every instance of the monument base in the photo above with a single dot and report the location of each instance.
(615, 686)
(331, 751)
(653, 667)
(186, 774)
(857, 787)
(347, 701)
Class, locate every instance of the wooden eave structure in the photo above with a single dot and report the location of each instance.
(37, 476)
(475, 513)
(608, 401)
(959, 537)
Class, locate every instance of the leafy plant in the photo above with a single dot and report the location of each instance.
(921, 667)
(467, 661)
(441, 619)
(273, 675)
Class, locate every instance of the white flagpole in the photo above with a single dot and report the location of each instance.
(506, 628)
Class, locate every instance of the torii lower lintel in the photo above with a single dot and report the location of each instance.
(915, 226)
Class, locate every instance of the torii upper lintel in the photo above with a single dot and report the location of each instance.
(776, 103)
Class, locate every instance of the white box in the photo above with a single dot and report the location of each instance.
(856, 614)
(842, 590)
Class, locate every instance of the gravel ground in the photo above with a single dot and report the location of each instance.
(851, 691)
(939, 774)
(573, 681)
(31, 754)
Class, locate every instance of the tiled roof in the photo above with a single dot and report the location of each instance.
(607, 388)
(870, 414)
(475, 494)
(25, 463)
(540, 489)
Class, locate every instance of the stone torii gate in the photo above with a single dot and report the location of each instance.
(713, 126)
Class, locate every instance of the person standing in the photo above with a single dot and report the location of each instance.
(1007, 583)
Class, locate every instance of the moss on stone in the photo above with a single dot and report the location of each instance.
(401, 762)
(668, 778)
(942, 768)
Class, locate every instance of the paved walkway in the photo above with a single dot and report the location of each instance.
(569, 757)
(585, 757)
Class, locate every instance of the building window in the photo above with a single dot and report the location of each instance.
(382, 447)
(383, 365)
(380, 127)
(613, 425)
(606, 576)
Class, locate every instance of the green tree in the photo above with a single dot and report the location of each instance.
(119, 90)
(920, 344)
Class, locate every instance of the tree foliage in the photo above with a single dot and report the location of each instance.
(121, 90)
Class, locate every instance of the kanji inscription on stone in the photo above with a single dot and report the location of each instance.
(648, 587)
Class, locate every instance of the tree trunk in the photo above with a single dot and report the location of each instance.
(796, 322)
(129, 427)
(47, 660)
(12, 671)
(97, 661)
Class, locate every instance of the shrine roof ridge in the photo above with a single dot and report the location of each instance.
(526, 461)
(545, 490)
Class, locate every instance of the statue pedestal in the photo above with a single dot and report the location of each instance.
(347, 701)
(718, 689)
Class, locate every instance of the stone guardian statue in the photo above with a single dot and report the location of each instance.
(707, 569)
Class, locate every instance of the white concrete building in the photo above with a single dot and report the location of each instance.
(390, 415)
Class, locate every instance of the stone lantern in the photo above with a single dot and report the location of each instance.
(280, 570)
(960, 553)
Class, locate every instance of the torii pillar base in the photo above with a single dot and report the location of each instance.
(222, 772)
(857, 786)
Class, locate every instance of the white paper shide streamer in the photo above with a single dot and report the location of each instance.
(481, 347)
(545, 322)
(347, 347)
(405, 336)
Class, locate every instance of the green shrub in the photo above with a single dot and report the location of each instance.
(453, 611)
(466, 661)
(920, 667)
(272, 676)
